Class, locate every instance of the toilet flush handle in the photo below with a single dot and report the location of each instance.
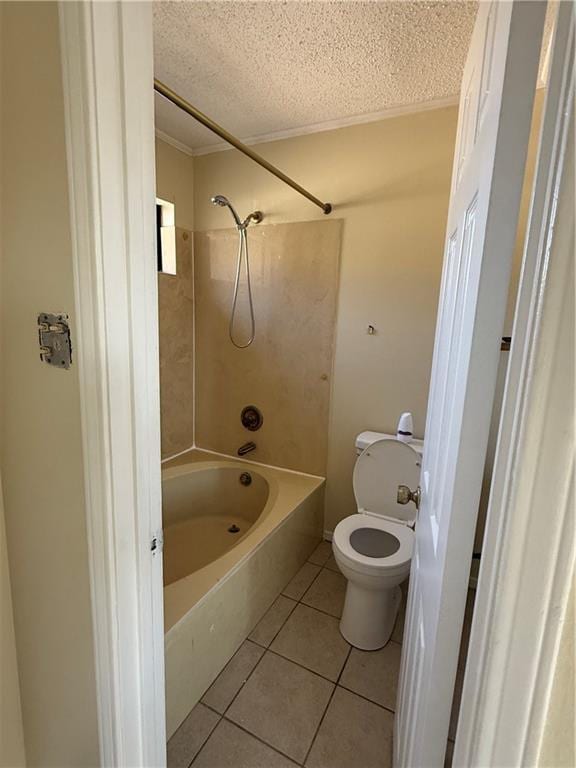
(405, 495)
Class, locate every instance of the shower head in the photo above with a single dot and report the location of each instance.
(224, 202)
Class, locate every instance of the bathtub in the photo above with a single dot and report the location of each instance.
(235, 533)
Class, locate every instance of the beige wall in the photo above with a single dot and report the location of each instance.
(286, 372)
(175, 182)
(176, 331)
(389, 183)
(41, 451)
(12, 752)
(558, 749)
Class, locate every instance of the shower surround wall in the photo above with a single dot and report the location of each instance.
(175, 183)
(176, 328)
(287, 371)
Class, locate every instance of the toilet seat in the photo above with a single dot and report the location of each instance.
(355, 560)
(379, 470)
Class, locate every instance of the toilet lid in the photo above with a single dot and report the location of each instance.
(379, 470)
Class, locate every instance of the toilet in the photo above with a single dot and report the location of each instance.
(373, 548)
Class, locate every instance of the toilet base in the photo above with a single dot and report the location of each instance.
(369, 616)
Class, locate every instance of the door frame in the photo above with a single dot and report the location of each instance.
(107, 62)
(107, 68)
(527, 566)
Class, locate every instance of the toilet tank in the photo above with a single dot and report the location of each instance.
(364, 439)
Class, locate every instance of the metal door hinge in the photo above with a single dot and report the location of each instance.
(54, 338)
(157, 543)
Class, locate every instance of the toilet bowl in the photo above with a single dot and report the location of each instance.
(373, 548)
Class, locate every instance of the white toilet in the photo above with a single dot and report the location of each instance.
(373, 548)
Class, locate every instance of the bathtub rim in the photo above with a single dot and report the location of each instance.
(195, 450)
(283, 500)
(209, 466)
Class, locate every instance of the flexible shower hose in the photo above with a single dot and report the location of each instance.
(242, 251)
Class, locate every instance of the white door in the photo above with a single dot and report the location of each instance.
(493, 127)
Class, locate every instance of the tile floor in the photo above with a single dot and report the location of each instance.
(295, 693)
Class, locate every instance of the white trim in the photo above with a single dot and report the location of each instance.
(528, 556)
(327, 125)
(107, 71)
(163, 136)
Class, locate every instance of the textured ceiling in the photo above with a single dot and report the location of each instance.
(266, 67)
(262, 67)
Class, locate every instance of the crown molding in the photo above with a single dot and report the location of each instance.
(174, 142)
(328, 125)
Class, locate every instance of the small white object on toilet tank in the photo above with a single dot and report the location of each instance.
(405, 429)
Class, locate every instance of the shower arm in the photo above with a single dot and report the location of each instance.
(190, 109)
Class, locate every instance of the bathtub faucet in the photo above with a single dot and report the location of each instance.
(246, 448)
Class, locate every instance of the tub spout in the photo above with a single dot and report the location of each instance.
(246, 448)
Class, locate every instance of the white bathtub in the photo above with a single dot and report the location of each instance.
(219, 584)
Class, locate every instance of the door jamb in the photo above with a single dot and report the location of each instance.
(107, 68)
(521, 599)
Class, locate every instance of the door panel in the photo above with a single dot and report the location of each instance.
(494, 122)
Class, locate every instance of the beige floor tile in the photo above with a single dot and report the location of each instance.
(354, 734)
(321, 553)
(282, 704)
(269, 625)
(233, 676)
(313, 639)
(231, 747)
(327, 593)
(189, 738)
(332, 564)
(374, 674)
(301, 581)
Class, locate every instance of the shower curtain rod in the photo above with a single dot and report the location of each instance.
(184, 105)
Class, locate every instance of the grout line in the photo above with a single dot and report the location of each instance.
(320, 724)
(283, 623)
(327, 705)
(332, 682)
(298, 664)
(191, 763)
(209, 706)
(266, 648)
(299, 599)
(321, 611)
(365, 698)
(261, 740)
